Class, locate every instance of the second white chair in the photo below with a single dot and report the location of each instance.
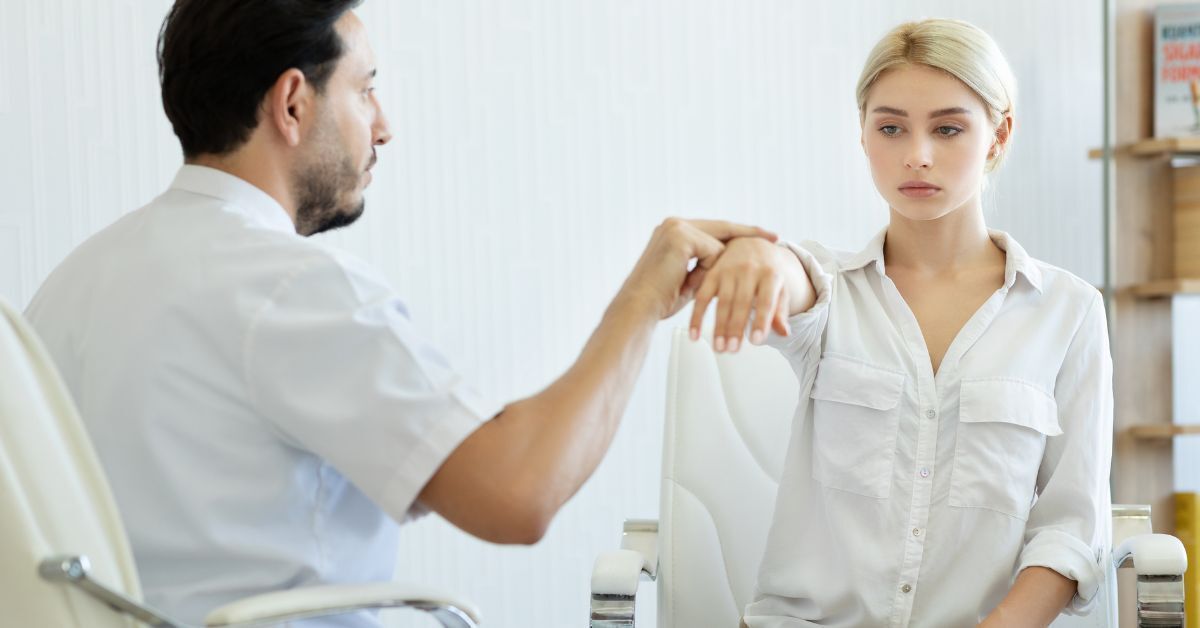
(727, 425)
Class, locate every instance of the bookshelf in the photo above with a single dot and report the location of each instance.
(1163, 431)
(1140, 276)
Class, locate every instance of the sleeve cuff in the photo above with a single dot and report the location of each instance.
(1071, 558)
(426, 457)
(808, 324)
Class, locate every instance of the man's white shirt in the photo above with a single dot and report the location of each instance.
(262, 405)
(913, 499)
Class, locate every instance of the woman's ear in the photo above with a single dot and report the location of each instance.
(862, 133)
(1003, 133)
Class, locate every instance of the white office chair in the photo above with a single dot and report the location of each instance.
(727, 426)
(64, 558)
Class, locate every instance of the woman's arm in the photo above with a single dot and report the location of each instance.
(759, 277)
(1036, 599)
(1069, 531)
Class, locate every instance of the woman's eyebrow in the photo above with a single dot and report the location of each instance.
(949, 111)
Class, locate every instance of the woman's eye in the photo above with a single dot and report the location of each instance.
(890, 130)
(948, 131)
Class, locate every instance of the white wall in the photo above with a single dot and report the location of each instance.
(537, 142)
(1185, 366)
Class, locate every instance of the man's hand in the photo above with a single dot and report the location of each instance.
(662, 278)
(752, 276)
(505, 481)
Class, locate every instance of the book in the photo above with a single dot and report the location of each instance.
(1177, 70)
(1187, 518)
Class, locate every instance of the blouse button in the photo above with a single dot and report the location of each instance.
(924, 472)
(906, 588)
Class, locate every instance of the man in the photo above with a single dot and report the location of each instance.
(262, 405)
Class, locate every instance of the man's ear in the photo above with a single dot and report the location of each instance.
(288, 105)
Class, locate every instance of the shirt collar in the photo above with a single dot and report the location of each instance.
(238, 195)
(1017, 261)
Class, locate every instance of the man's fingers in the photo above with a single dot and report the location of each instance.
(724, 230)
(692, 283)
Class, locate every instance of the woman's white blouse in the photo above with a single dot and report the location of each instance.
(914, 499)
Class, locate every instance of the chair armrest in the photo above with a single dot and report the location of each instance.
(1160, 562)
(616, 574)
(641, 536)
(274, 608)
(1152, 555)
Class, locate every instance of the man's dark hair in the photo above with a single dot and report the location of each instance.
(218, 58)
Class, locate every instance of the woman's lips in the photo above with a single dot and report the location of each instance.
(919, 189)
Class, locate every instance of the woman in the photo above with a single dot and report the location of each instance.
(949, 458)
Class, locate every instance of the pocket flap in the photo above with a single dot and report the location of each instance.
(1008, 401)
(849, 381)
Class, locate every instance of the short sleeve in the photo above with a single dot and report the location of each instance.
(333, 362)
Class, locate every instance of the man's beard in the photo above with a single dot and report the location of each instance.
(322, 186)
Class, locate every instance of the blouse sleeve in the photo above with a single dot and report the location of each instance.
(1069, 527)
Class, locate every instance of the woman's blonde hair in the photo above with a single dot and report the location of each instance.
(955, 47)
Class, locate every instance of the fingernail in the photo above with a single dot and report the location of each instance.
(719, 344)
(694, 333)
(733, 344)
(757, 336)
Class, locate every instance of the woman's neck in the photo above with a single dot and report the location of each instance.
(956, 242)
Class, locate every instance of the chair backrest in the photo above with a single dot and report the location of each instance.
(727, 426)
(54, 498)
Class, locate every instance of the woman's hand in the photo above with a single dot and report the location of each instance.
(661, 277)
(755, 276)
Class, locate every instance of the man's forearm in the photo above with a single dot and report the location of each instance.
(1036, 599)
(505, 482)
(570, 424)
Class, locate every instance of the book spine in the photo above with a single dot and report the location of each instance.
(1187, 518)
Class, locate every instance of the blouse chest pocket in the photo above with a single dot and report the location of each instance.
(1002, 431)
(855, 422)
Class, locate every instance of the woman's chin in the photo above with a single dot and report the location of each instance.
(919, 214)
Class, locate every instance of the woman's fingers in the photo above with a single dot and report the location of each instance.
(704, 296)
(769, 288)
(724, 302)
(740, 306)
(779, 318)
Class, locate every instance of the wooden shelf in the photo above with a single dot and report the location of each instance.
(1165, 288)
(1162, 431)
(1154, 147)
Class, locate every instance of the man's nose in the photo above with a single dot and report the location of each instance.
(381, 132)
